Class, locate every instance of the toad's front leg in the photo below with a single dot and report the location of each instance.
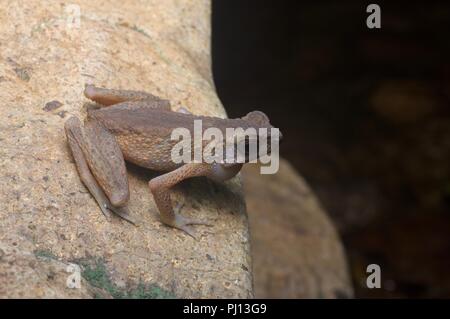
(160, 188)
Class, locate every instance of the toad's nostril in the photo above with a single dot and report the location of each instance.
(280, 136)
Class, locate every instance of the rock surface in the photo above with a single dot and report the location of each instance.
(47, 54)
(296, 251)
(48, 220)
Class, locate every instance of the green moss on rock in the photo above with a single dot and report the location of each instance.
(96, 274)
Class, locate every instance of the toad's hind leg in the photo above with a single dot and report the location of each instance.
(104, 175)
(107, 97)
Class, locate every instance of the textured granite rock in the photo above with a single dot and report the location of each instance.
(48, 51)
(26, 272)
(296, 251)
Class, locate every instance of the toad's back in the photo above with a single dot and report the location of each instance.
(144, 134)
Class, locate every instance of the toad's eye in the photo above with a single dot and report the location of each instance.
(257, 118)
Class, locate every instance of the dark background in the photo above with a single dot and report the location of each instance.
(365, 118)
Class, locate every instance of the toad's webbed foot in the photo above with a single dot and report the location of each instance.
(184, 223)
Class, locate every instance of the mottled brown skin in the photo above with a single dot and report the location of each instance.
(137, 126)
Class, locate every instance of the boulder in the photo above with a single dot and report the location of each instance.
(54, 240)
(296, 250)
(49, 51)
